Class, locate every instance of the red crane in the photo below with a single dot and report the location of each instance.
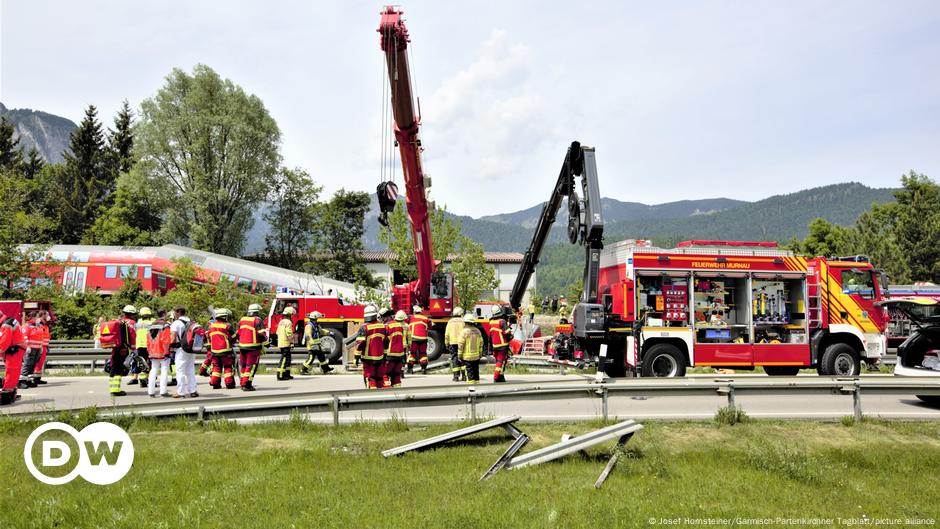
(432, 290)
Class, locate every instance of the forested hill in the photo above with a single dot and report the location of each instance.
(48, 133)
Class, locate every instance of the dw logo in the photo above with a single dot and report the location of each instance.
(105, 453)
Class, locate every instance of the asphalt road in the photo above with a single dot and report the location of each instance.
(78, 392)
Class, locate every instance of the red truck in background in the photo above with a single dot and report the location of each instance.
(17, 309)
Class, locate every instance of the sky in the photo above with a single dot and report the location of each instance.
(682, 100)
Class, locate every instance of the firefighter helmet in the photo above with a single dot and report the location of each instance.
(469, 317)
(401, 316)
(416, 309)
(254, 308)
(222, 313)
(497, 311)
(369, 313)
(385, 312)
(315, 315)
(129, 309)
(289, 311)
(145, 311)
(458, 311)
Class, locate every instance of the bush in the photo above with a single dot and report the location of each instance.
(730, 415)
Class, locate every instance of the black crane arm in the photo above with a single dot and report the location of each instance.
(586, 229)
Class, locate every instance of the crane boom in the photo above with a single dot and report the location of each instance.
(394, 43)
(586, 229)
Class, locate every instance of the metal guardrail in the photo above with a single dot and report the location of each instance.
(256, 406)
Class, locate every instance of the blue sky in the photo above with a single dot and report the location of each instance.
(681, 99)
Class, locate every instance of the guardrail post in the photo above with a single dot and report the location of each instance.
(94, 364)
(604, 402)
(857, 402)
(731, 402)
(334, 408)
(473, 404)
(200, 413)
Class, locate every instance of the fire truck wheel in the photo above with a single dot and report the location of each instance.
(435, 345)
(332, 345)
(664, 360)
(840, 360)
(782, 371)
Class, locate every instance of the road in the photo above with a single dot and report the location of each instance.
(78, 392)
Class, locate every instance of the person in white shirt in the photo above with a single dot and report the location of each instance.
(185, 362)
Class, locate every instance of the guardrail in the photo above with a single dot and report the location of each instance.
(256, 406)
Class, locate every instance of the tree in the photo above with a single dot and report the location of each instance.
(83, 185)
(293, 218)
(337, 250)
(121, 142)
(33, 164)
(874, 236)
(445, 237)
(135, 218)
(824, 239)
(21, 224)
(216, 147)
(473, 276)
(917, 225)
(11, 157)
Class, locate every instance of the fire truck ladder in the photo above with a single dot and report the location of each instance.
(814, 301)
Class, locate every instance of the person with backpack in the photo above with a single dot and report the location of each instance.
(12, 348)
(119, 335)
(185, 336)
(159, 338)
(312, 334)
(285, 341)
(252, 337)
(140, 369)
(221, 337)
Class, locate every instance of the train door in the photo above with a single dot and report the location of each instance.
(74, 278)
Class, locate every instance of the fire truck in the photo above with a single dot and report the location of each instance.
(725, 304)
(18, 309)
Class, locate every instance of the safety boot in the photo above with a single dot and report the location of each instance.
(133, 382)
(304, 371)
(326, 369)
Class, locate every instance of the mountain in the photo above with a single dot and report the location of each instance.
(48, 133)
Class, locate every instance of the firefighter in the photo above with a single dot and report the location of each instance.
(470, 348)
(159, 339)
(252, 337)
(221, 336)
(371, 342)
(312, 334)
(119, 353)
(33, 335)
(12, 348)
(451, 339)
(140, 369)
(499, 342)
(397, 331)
(419, 340)
(285, 341)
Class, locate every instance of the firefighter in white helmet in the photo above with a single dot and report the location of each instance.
(285, 342)
(470, 348)
(371, 343)
(313, 333)
(418, 330)
(451, 338)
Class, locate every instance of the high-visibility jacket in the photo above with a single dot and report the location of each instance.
(46, 335)
(470, 344)
(142, 328)
(159, 339)
(499, 334)
(33, 335)
(419, 328)
(531, 308)
(372, 340)
(12, 337)
(285, 332)
(251, 333)
(220, 338)
(397, 338)
(312, 334)
(452, 331)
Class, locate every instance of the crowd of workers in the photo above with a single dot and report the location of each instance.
(159, 349)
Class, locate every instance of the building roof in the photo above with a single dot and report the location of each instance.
(381, 256)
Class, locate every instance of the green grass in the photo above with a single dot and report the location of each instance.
(298, 474)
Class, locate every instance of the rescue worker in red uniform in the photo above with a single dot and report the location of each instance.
(221, 336)
(118, 367)
(33, 334)
(46, 338)
(252, 337)
(499, 343)
(12, 347)
(371, 342)
(397, 331)
(419, 340)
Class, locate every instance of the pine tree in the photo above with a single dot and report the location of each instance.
(10, 155)
(33, 164)
(121, 140)
(84, 185)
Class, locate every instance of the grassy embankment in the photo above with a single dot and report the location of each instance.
(296, 474)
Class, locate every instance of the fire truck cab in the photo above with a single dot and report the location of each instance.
(337, 315)
(732, 304)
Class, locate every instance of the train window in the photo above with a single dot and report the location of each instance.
(110, 272)
(262, 287)
(229, 277)
(147, 272)
(244, 283)
(126, 271)
(161, 281)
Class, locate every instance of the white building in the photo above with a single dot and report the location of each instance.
(506, 265)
